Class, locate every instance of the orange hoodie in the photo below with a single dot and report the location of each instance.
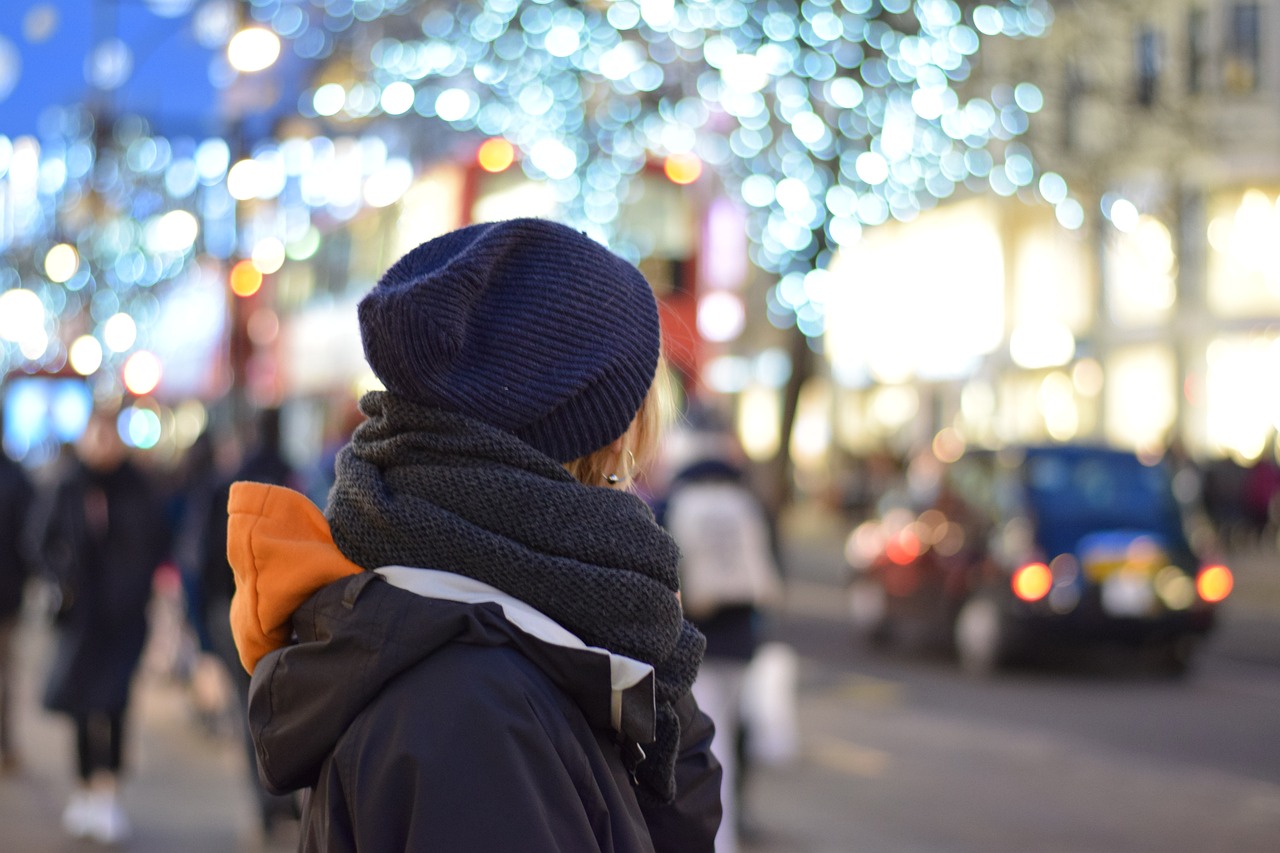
(281, 551)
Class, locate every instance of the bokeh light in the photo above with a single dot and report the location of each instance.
(119, 332)
(496, 155)
(61, 262)
(245, 278)
(85, 355)
(253, 49)
(682, 168)
(268, 256)
(142, 372)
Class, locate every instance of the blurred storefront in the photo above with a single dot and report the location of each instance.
(1146, 317)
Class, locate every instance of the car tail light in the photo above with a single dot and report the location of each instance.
(1214, 583)
(1032, 582)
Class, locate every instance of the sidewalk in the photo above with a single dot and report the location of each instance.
(185, 789)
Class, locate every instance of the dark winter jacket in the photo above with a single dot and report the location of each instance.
(429, 711)
(101, 537)
(15, 503)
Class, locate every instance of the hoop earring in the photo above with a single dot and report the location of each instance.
(615, 479)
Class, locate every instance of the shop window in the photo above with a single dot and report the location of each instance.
(1141, 394)
(1243, 271)
(1147, 63)
(1242, 50)
(1141, 274)
(1240, 420)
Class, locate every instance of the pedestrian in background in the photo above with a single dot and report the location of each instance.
(15, 503)
(495, 658)
(263, 461)
(728, 574)
(101, 536)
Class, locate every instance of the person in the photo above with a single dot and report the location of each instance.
(15, 501)
(729, 573)
(479, 646)
(101, 537)
(263, 462)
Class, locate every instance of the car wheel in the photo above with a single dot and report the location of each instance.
(869, 610)
(981, 635)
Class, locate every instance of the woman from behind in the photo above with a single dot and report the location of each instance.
(479, 646)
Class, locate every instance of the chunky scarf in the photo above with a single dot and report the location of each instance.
(421, 487)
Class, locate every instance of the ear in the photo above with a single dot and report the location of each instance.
(617, 449)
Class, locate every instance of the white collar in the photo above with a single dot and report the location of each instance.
(624, 672)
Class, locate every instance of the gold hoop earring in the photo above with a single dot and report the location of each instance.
(615, 479)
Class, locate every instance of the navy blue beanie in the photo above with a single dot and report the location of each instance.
(527, 325)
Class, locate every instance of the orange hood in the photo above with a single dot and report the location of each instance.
(281, 551)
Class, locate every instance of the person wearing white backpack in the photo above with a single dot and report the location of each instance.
(728, 574)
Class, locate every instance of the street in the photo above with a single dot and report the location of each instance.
(905, 754)
(900, 752)
(914, 756)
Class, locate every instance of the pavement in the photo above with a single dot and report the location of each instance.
(186, 788)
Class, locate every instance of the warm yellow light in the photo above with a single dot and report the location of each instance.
(61, 262)
(142, 373)
(253, 49)
(682, 168)
(496, 155)
(1214, 583)
(759, 422)
(1032, 582)
(245, 279)
(1041, 344)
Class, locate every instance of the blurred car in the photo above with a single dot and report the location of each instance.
(1017, 548)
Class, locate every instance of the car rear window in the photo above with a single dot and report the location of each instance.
(1075, 492)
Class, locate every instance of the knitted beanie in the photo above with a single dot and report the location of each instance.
(527, 325)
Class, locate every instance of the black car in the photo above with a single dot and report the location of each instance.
(1025, 546)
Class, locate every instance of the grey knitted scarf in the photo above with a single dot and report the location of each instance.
(421, 487)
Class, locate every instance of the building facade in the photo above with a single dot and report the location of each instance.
(1147, 316)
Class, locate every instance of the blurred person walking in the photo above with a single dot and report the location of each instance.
(263, 461)
(101, 536)
(15, 502)
(481, 647)
(728, 574)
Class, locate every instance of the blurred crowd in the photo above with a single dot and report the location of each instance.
(124, 557)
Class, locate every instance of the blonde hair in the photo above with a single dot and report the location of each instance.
(639, 443)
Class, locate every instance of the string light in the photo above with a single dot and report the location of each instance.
(827, 116)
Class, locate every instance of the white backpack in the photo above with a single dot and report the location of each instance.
(724, 542)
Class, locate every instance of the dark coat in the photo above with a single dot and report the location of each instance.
(427, 724)
(101, 538)
(15, 503)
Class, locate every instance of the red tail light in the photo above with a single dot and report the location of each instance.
(1214, 583)
(1032, 582)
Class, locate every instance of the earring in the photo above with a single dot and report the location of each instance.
(614, 479)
